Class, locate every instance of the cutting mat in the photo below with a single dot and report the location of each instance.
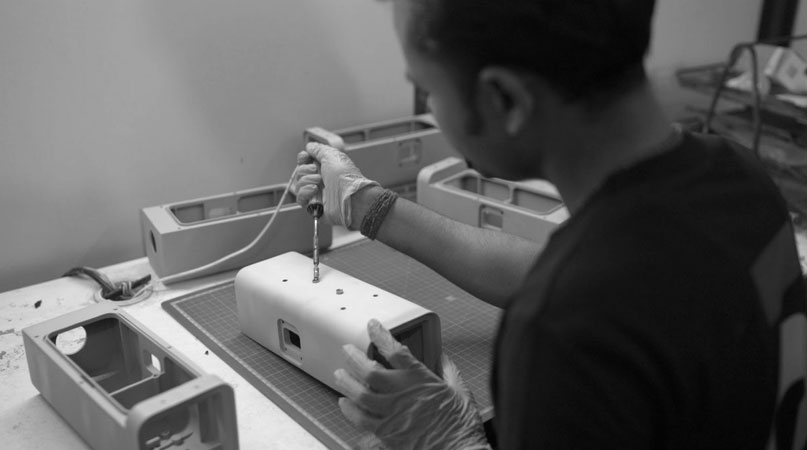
(468, 327)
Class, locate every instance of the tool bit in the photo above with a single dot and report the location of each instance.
(316, 208)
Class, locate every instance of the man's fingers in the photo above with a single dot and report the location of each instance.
(350, 385)
(382, 338)
(304, 158)
(358, 364)
(370, 372)
(305, 193)
(307, 170)
(313, 179)
(398, 356)
(358, 416)
(361, 395)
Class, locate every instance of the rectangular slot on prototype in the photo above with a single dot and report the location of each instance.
(290, 341)
(189, 213)
(217, 212)
(386, 131)
(488, 188)
(217, 208)
(263, 200)
(409, 152)
(491, 218)
(291, 338)
(113, 357)
(494, 190)
(535, 202)
(469, 183)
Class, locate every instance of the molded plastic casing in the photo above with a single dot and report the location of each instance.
(192, 233)
(125, 388)
(390, 152)
(308, 323)
(530, 209)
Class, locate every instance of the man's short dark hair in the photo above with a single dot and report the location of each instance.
(584, 48)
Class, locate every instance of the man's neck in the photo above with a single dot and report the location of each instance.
(589, 147)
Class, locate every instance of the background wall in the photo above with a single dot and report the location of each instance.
(109, 106)
(690, 33)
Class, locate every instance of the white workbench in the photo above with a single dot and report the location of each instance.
(28, 422)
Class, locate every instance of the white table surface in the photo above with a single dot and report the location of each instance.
(28, 422)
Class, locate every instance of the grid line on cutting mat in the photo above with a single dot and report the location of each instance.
(468, 327)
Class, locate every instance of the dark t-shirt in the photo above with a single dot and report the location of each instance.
(656, 316)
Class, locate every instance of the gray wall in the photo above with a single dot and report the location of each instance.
(689, 33)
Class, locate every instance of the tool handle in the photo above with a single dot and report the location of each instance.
(315, 206)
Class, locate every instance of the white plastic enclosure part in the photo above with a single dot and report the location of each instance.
(391, 152)
(192, 233)
(120, 387)
(531, 209)
(308, 323)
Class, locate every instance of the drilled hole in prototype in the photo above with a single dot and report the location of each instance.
(375, 295)
(71, 341)
(285, 280)
(343, 308)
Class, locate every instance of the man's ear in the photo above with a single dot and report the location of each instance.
(508, 96)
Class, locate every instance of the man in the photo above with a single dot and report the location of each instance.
(667, 312)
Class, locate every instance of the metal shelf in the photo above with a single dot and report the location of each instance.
(705, 79)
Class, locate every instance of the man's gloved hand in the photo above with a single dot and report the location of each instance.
(408, 406)
(321, 165)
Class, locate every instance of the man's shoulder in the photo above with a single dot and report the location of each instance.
(712, 196)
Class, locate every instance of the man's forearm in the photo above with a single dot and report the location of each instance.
(488, 264)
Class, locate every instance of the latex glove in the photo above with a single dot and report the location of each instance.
(324, 166)
(408, 406)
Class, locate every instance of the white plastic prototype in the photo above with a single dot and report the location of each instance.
(189, 234)
(390, 152)
(120, 387)
(531, 209)
(308, 323)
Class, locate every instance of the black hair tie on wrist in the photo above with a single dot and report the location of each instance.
(372, 221)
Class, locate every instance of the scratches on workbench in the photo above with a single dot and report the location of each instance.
(11, 349)
(10, 359)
